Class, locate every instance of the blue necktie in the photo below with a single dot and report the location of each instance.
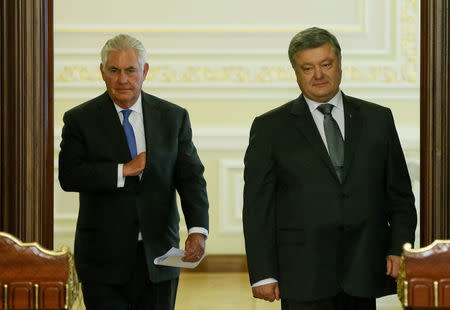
(129, 132)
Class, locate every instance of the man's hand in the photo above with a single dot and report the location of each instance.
(194, 247)
(268, 292)
(392, 265)
(135, 166)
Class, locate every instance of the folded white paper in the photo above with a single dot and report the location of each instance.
(173, 258)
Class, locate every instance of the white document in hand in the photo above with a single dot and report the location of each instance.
(173, 258)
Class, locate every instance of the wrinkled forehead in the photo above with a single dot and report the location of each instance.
(122, 58)
(316, 54)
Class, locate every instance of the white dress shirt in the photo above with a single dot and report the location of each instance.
(136, 119)
(338, 115)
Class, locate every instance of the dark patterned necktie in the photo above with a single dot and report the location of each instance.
(334, 139)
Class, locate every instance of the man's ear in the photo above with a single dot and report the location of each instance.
(146, 68)
(101, 71)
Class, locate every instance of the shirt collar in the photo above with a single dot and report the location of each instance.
(336, 101)
(136, 107)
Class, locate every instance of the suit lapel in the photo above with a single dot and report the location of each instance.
(152, 121)
(114, 132)
(306, 125)
(353, 124)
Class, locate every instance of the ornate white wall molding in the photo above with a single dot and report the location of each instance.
(222, 17)
(231, 185)
(201, 28)
(380, 52)
(244, 75)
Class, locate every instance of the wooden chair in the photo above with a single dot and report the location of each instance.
(424, 276)
(32, 277)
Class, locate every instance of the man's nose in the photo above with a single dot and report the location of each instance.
(123, 77)
(318, 73)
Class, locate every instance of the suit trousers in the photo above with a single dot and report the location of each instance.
(139, 293)
(341, 301)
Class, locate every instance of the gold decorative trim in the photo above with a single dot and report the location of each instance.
(73, 286)
(36, 296)
(402, 293)
(5, 297)
(63, 251)
(66, 306)
(408, 247)
(436, 293)
(406, 294)
(402, 283)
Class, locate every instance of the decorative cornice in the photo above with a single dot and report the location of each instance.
(359, 27)
(399, 68)
(216, 74)
(202, 28)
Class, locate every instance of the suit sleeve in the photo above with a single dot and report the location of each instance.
(402, 214)
(76, 172)
(259, 209)
(189, 180)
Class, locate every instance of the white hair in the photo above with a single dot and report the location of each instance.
(122, 42)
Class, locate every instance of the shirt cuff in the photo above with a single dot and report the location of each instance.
(199, 230)
(264, 282)
(120, 178)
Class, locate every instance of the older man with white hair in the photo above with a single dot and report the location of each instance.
(127, 152)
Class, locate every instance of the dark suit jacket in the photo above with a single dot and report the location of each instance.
(109, 219)
(304, 228)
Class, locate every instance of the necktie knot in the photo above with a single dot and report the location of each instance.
(126, 113)
(325, 108)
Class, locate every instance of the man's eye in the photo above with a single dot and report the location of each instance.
(131, 70)
(326, 64)
(306, 69)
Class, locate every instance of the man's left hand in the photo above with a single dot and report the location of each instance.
(194, 247)
(392, 265)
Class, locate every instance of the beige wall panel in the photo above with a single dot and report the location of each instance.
(226, 62)
(196, 12)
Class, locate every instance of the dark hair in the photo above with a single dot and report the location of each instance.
(312, 38)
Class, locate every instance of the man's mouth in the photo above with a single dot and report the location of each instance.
(320, 84)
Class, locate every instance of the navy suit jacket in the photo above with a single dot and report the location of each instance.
(303, 227)
(109, 219)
